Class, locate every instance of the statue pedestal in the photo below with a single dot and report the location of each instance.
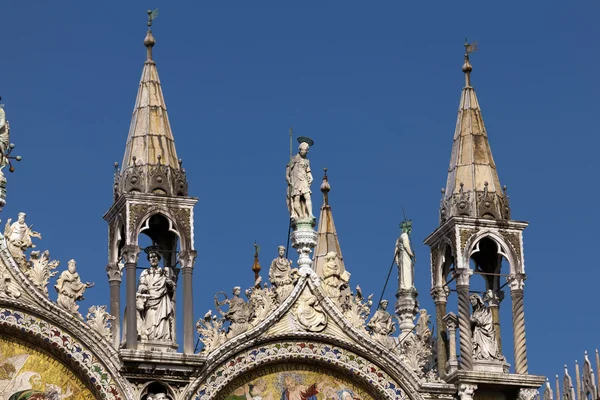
(304, 239)
(151, 345)
(491, 366)
(406, 308)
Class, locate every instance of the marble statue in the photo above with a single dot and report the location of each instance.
(18, 236)
(309, 313)
(4, 139)
(483, 332)
(382, 325)
(282, 275)
(239, 313)
(334, 280)
(155, 305)
(405, 258)
(299, 179)
(70, 288)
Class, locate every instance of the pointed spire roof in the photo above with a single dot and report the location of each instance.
(473, 187)
(327, 239)
(150, 148)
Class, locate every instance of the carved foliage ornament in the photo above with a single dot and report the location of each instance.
(40, 269)
(99, 320)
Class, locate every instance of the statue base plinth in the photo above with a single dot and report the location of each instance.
(491, 366)
(154, 345)
(303, 223)
(406, 308)
(304, 239)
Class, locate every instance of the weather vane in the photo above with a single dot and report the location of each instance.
(470, 47)
(152, 15)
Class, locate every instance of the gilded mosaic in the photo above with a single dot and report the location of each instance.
(298, 385)
(28, 373)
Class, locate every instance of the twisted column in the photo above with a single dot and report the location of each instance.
(440, 298)
(516, 283)
(114, 280)
(130, 256)
(464, 318)
(187, 259)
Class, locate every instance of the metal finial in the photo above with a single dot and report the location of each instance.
(152, 15)
(149, 40)
(467, 67)
(256, 266)
(325, 187)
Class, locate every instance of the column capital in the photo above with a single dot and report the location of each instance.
(187, 259)
(494, 297)
(440, 294)
(527, 394)
(463, 276)
(113, 271)
(130, 254)
(466, 391)
(516, 281)
(451, 321)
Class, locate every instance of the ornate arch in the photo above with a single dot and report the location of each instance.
(139, 216)
(103, 381)
(209, 385)
(504, 248)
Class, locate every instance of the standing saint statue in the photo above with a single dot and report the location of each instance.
(483, 332)
(156, 291)
(4, 138)
(299, 178)
(70, 288)
(19, 235)
(405, 258)
(282, 275)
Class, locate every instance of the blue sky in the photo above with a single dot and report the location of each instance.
(375, 84)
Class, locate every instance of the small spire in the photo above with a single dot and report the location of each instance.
(149, 40)
(256, 266)
(325, 188)
(467, 67)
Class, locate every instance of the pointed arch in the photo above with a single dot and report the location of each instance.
(505, 249)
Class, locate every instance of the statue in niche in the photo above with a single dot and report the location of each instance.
(309, 313)
(483, 332)
(154, 302)
(334, 280)
(299, 178)
(18, 237)
(239, 313)
(282, 275)
(70, 288)
(405, 258)
(382, 325)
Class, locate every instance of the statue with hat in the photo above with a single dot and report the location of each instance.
(299, 179)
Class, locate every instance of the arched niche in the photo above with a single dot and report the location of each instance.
(485, 245)
(318, 358)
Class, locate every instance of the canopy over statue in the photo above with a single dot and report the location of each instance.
(299, 179)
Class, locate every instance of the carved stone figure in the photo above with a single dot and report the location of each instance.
(334, 280)
(70, 288)
(18, 236)
(282, 275)
(382, 325)
(99, 320)
(156, 308)
(239, 313)
(309, 313)
(211, 332)
(483, 332)
(7, 286)
(4, 139)
(40, 269)
(405, 258)
(299, 178)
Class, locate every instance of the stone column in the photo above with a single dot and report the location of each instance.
(494, 298)
(516, 283)
(451, 321)
(464, 318)
(187, 259)
(406, 308)
(440, 298)
(130, 256)
(114, 280)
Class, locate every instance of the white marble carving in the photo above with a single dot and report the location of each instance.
(262, 301)
(405, 258)
(154, 302)
(382, 325)
(299, 179)
(309, 314)
(282, 276)
(239, 313)
(334, 281)
(18, 236)
(359, 309)
(416, 349)
(40, 269)
(99, 320)
(483, 332)
(466, 391)
(70, 288)
(211, 332)
(8, 287)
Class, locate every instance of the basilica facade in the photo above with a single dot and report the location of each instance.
(306, 332)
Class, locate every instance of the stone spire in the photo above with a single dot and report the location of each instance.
(150, 164)
(327, 239)
(473, 187)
